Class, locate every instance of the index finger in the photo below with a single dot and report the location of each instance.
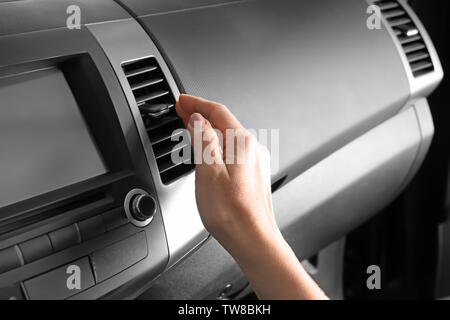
(218, 115)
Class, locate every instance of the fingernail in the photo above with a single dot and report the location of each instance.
(195, 117)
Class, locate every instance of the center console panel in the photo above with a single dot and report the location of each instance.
(73, 238)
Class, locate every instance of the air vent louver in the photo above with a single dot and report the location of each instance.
(157, 106)
(408, 35)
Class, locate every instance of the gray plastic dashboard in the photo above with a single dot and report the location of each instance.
(353, 121)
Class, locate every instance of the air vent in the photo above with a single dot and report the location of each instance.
(157, 105)
(409, 36)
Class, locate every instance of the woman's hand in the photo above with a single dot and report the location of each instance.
(233, 193)
(234, 200)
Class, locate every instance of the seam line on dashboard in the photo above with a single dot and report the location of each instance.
(410, 174)
(197, 8)
(83, 26)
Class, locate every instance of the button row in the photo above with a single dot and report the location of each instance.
(55, 241)
(10, 258)
(61, 283)
(72, 278)
(12, 292)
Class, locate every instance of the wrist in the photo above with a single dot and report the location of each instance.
(257, 248)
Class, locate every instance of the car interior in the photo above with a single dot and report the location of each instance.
(88, 128)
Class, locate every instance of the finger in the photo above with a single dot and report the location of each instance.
(208, 155)
(182, 114)
(218, 115)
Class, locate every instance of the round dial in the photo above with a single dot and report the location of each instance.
(143, 207)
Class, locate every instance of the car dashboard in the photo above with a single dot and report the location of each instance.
(87, 119)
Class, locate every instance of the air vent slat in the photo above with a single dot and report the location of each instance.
(151, 96)
(405, 40)
(414, 47)
(399, 21)
(156, 103)
(136, 72)
(387, 5)
(416, 56)
(146, 83)
(161, 137)
(421, 65)
(169, 148)
(176, 172)
(154, 124)
(394, 13)
(408, 35)
(168, 164)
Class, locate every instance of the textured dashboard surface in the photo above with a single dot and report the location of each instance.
(309, 68)
(37, 15)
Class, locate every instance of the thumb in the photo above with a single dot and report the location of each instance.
(208, 155)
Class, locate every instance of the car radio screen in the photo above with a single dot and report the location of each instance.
(45, 143)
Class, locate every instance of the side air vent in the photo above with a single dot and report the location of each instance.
(157, 105)
(409, 36)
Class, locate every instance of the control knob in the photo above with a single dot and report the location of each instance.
(140, 207)
(143, 207)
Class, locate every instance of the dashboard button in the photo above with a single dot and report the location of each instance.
(91, 228)
(62, 282)
(12, 292)
(117, 257)
(9, 259)
(65, 238)
(114, 218)
(36, 248)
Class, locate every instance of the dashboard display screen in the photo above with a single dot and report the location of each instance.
(45, 143)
